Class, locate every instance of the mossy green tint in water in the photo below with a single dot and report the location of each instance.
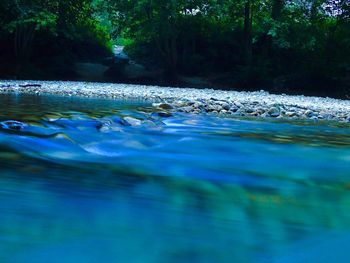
(113, 181)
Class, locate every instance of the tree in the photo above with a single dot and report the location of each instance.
(23, 20)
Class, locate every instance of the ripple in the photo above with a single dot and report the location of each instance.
(77, 174)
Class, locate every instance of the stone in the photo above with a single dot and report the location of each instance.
(105, 127)
(12, 125)
(234, 109)
(165, 106)
(260, 111)
(225, 106)
(210, 108)
(132, 121)
(186, 109)
(197, 105)
(109, 125)
(180, 103)
(290, 114)
(309, 113)
(238, 104)
(274, 112)
(119, 120)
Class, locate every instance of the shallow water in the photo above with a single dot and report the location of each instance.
(79, 185)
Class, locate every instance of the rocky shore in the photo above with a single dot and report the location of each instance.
(168, 99)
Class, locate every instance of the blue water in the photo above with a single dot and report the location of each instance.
(79, 185)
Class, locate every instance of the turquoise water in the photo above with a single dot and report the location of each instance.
(79, 185)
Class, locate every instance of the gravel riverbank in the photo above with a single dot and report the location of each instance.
(169, 99)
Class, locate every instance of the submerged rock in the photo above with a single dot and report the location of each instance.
(120, 121)
(103, 125)
(12, 125)
(132, 121)
(164, 114)
(112, 124)
(187, 109)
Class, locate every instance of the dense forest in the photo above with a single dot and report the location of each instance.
(300, 46)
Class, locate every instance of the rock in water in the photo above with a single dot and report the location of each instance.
(12, 125)
(132, 121)
(226, 106)
(163, 106)
(164, 114)
(309, 113)
(274, 112)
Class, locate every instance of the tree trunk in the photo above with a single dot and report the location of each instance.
(277, 8)
(276, 15)
(23, 38)
(170, 57)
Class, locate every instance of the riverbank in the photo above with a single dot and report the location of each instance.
(195, 101)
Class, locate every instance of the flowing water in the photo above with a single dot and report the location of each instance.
(78, 184)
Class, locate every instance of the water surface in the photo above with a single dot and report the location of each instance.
(77, 184)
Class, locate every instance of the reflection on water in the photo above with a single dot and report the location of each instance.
(78, 184)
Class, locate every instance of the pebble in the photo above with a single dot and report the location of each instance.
(274, 112)
(309, 113)
(234, 109)
(168, 100)
(226, 106)
(290, 114)
(165, 106)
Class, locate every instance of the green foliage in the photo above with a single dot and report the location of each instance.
(251, 42)
(208, 37)
(42, 20)
(121, 41)
(42, 30)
